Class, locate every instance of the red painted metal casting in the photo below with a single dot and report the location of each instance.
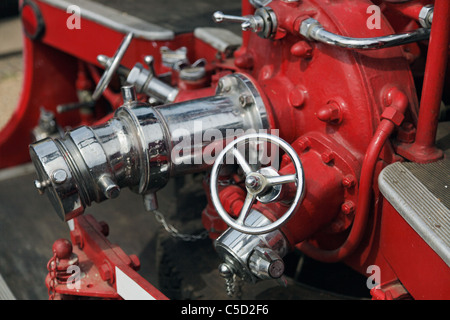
(338, 108)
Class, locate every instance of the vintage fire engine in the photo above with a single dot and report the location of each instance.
(347, 99)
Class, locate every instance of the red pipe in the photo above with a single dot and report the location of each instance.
(424, 149)
(384, 130)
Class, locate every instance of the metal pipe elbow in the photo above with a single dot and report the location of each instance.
(313, 30)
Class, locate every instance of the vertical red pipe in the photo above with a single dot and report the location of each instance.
(424, 149)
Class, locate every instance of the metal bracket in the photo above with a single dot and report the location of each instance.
(106, 270)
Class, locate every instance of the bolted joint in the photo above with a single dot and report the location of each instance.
(348, 207)
(426, 16)
(406, 133)
(308, 27)
(245, 100)
(349, 181)
(304, 144)
(328, 157)
(393, 115)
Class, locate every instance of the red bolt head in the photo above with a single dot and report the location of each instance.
(328, 156)
(304, 144)
(105, 272)
(406, 133)
(348, 207)
(349, 181)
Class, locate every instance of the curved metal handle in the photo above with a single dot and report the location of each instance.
(313, 30)
(113, 65)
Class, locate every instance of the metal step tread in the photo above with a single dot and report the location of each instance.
(5, 292)
(420, 194)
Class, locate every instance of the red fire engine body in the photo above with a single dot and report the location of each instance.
(352, 89)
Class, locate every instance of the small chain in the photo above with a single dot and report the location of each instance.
(230, 286)
(175, 233)
(51, 267)
(233, 287)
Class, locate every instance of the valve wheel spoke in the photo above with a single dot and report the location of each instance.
(289, 178)
(248, 203)
(242, 162)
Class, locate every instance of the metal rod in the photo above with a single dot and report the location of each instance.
(219, 17)
(313, 30)
(114, 65)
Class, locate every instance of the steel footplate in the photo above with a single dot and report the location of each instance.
(148, 19)
(421, 195)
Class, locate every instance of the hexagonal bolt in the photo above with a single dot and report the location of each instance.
(245, 100)
(224, 84)
(348, 207)
(328, 156)
(349, 181)
(304, 144)
(426, 16)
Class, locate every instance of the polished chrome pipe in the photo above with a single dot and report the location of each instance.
(313, 30)
(137, 148)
